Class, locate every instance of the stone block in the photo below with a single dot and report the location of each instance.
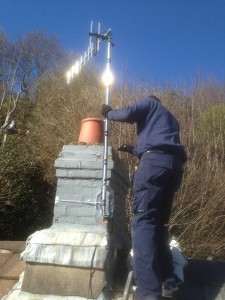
(81, 164)
(74, 209)
(92, 149)
(77, 190)
(84, 173)
(63, 281)
(76, 220)
(68, 246)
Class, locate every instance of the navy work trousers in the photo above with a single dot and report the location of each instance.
(157, 179)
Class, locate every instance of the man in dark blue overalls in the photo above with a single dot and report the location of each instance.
(161, 158)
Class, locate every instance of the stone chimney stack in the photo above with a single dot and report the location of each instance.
(75, 257)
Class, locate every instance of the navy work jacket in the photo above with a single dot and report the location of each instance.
(157, 128)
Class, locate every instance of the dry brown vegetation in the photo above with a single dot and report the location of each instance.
(199, 209)
(52, 119)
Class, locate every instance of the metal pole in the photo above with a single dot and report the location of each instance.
(105, 198)
(106, 135)
(127, 289)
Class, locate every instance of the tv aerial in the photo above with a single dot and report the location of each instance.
(104, 200)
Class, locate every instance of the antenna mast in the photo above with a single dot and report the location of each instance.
(106, 200)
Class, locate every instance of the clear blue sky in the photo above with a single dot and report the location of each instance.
(156, 40)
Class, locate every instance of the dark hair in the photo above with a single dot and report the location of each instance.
(154, 98)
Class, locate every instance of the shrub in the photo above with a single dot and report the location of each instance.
(26, 196)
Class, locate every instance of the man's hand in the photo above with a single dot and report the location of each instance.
(126, 148)
(105, 109)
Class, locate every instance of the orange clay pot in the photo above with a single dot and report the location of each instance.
(92, 131)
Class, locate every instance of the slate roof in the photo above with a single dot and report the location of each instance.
(10, 264)
(204, 280)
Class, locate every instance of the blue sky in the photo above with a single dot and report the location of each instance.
(155, 40)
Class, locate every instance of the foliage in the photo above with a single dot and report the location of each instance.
(26, 195)
(214, 120)
(199, 207)
(52, 119)
(24, 189)
(60, 108)
(22, 62)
